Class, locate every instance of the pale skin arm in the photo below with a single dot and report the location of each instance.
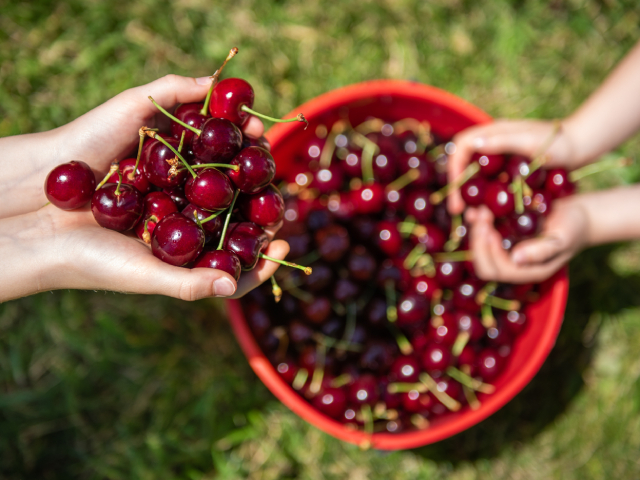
(606, 119)
(575, 223)
(44, 248)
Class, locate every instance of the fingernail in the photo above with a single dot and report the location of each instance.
(479, 142)
(224, 287)
(519, 257)
(203, 80)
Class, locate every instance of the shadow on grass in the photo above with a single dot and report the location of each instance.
(595, 287)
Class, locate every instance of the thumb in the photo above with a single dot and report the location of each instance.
(536, 250)
(169, 91)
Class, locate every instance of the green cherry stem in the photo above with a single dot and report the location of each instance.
(179, 122)
(440, 195)
(403, 180)
(235, 168)
(227, 220)
(181, 142)
(117, 192)
(164, 142)
(143, 135)
(214, 81)
(299, 117)
(445, 399)
(216, 214)
(146, 236)
(459, 256)
(306, 270)
(112, 169)
(275, 289)
(300, 379)
(601, 166)
(469, 381)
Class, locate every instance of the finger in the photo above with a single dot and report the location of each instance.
(254, 127)
(264, 269)
(455, 166)
(271, 231)
(536, 250)
(479, 239)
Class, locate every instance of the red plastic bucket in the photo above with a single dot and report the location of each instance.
(447, 114)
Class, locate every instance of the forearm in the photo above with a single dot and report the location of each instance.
(610, 115)
(613, 215)
(28, 160)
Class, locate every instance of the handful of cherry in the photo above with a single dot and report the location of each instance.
(174, 193)
(393, 330)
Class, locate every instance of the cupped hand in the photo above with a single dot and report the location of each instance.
(564, 234)
(52, 249)
(523, 137)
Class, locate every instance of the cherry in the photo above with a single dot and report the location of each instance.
(320, 278)
(519, 165)
(117, 206)
(157, 165)
(513, 321)
(449, 274)
(377, 312)
(137, 179)
(377, 356)
(212, 228)
(247, 240)
(177, 240)
(299, 332)
(352, 165)
(219, 141)
(473, 191)
(158, 205)
(395, 199)
(228, 97)
(422, 165)
(489, 364)
(257, 169)
(331, 401)
(368, 199)
(261, 142)
(498, 336)
(258, 320)
(405, 369)
(309, 356)
(431, 236)
(317, 310)
(177, 195)
(525, 225)
(341, 206)
(490, 165)
(384, 168)
(318, 219)
(393, 269)
(412, 308)
(345, 290)
(425, 286)
(471, 324)
(210, 190)
(450, 387)
(447, 332)
(333, 242)
(287, 370)
(540, 202)
(364, 390)
(558, 183)
(327, 180)
(468, 358)
(418, 205)
(70, 185)
(416, 402)
(387, 237)
(265, 208)
(361, 264)
(189, 113)
(499, 199)
(220, 260)
(464, 295)
(436, 358)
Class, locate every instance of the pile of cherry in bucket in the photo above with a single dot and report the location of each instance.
(393, 329)
(200, 195)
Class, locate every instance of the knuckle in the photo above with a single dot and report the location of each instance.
(187, 292)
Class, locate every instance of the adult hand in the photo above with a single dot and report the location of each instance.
(52, 249)
(524, 137)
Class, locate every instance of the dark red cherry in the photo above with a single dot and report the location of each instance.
(499, 336)
(309, 356)
(117, 209)
(490, 165)
(265, 208)
(364, 390)
(425, 286)
(422, 164)
(431, 236)
(558, 183)
(473, 191)
(320, 277)
(393, 270)
(515, 322)
(519, 165)
(526, 224)
(317, 219)
(212, 228)
(149, 143)
(376, 313)
(416, 402)
(413, 308)
(449, 274)
(327, 180)
(177, 240)
(489, 364)
(299, 332)
(341, 205)
(317, 310)
(220, 260)
(540, 202)
(330, 401)
(395, 199)
(387, 237)
(345, 290)
(436, 358)
(219, 141)
(156, 168)
(499, 199)
(369, 199)
(449, 387)
(157, 204)
(405, 369)
(261, 142)
(332, 242)
(258, 320)
(287, 370)
(190, 114)
(228, 97)
(352, 165)
(468, 358)
(70, 185)
(247, 240)
(210, 190)
(377, 356)
(257, 169)
(471, 324)
(361, 264)
(447, 332)
(384, 168)
(464, 295)
(177, 195)
(137, 179)
(418, 205)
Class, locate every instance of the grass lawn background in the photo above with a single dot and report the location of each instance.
(101, 385)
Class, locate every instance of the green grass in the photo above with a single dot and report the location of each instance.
(99, 385)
